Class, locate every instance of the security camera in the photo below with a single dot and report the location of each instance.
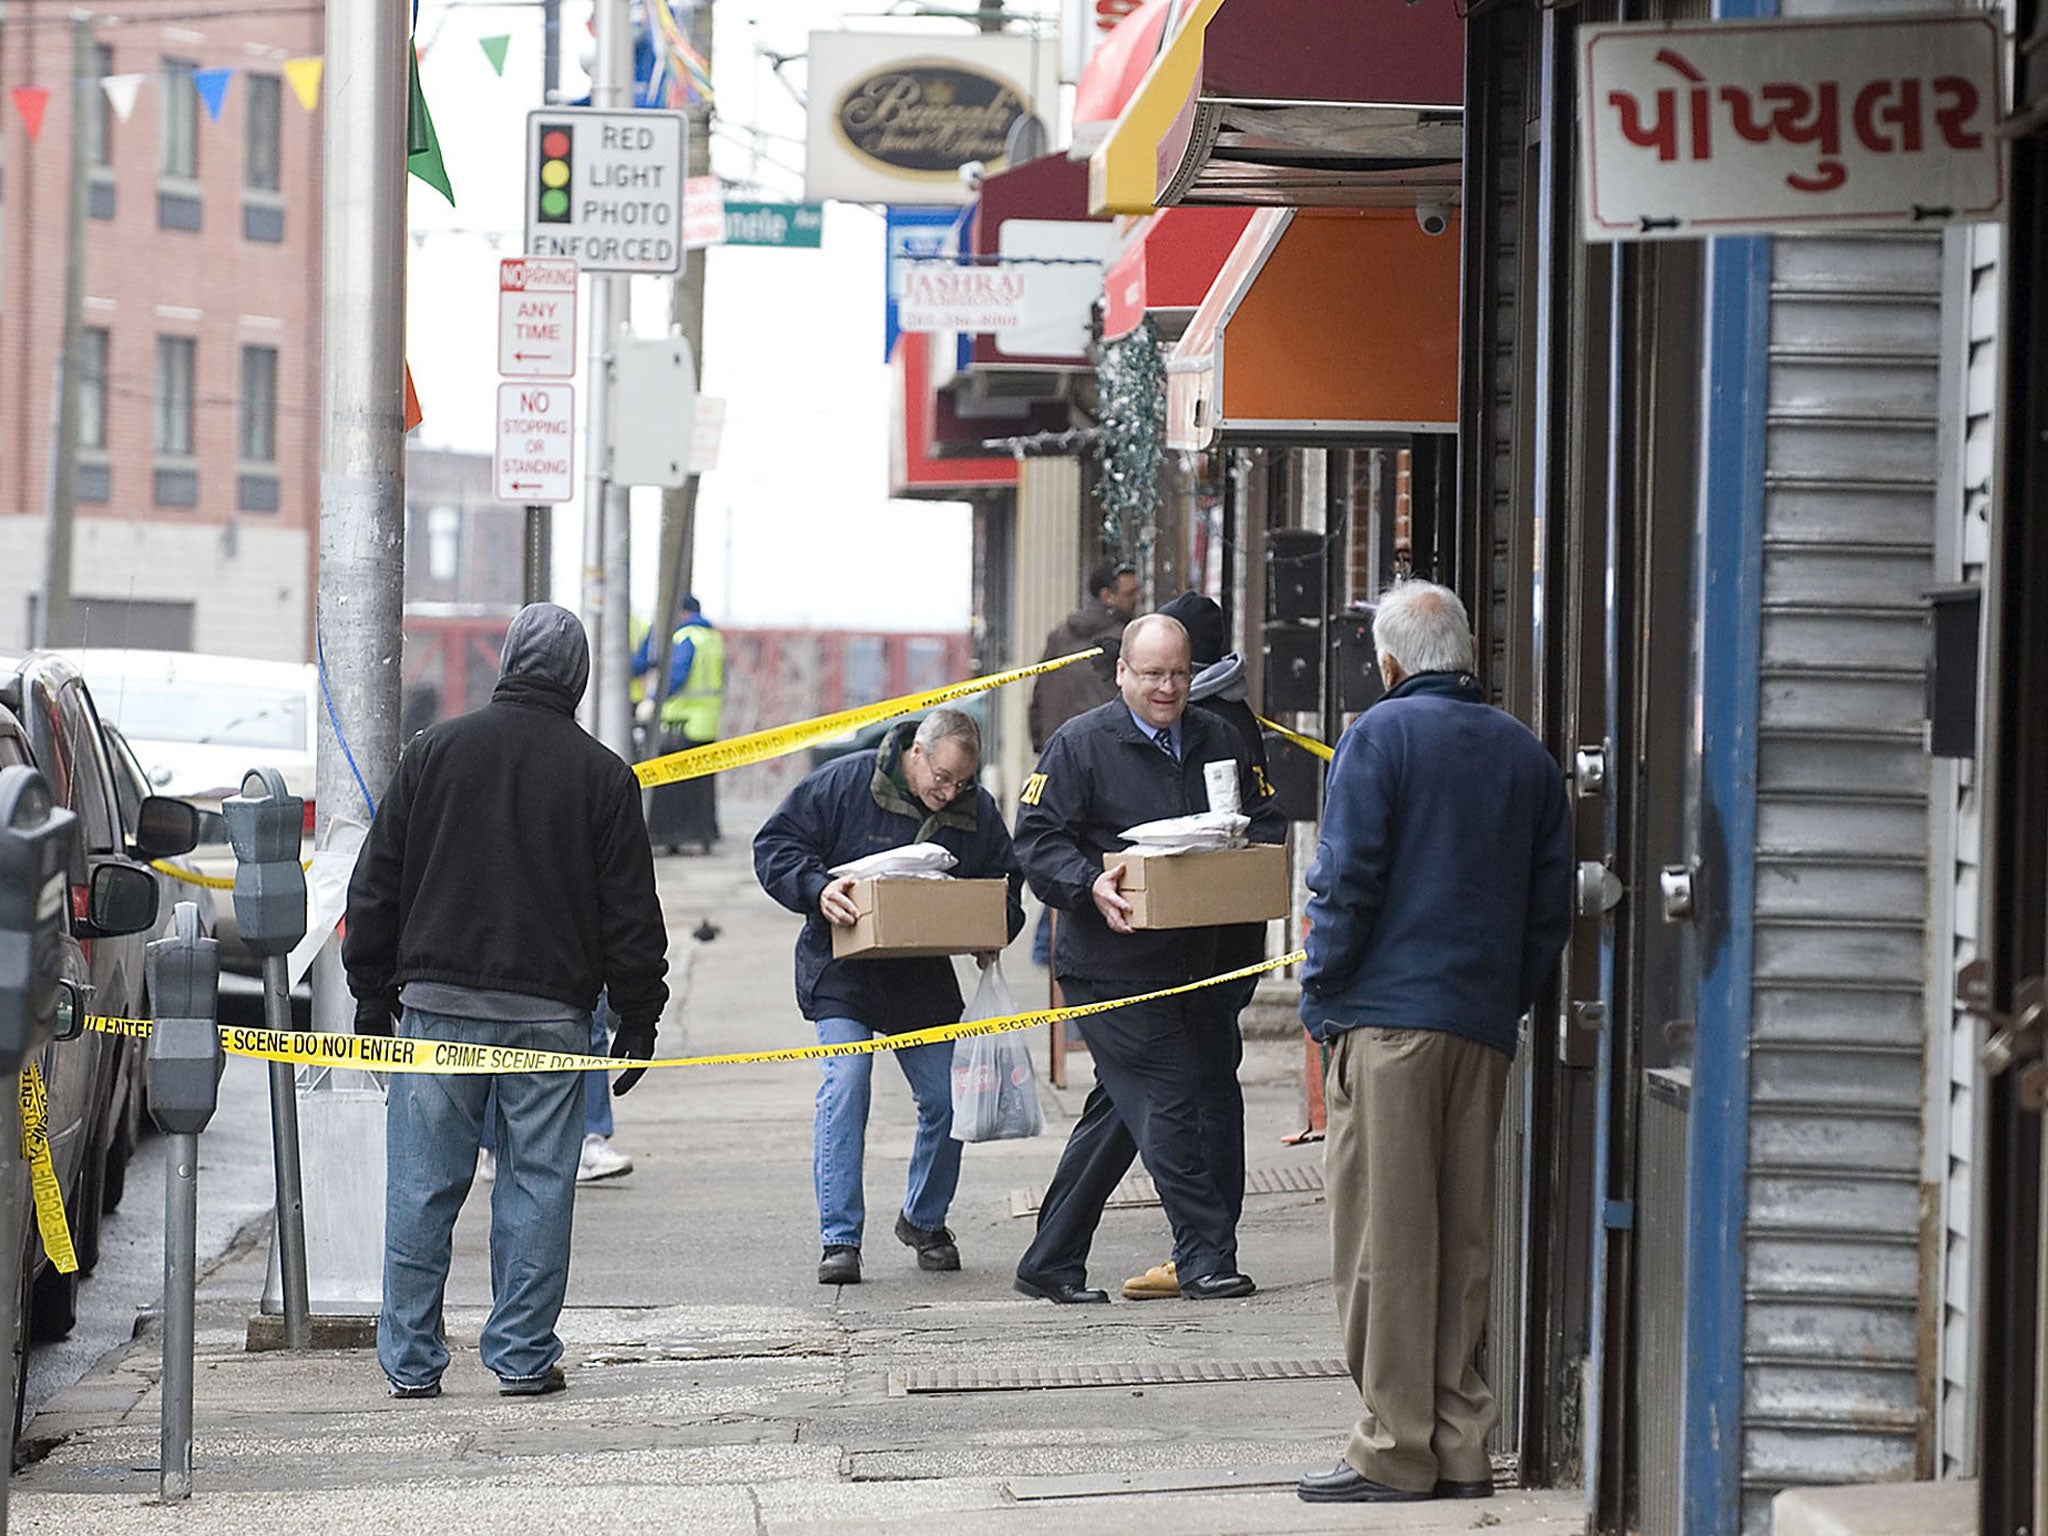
(1434, 218)
(971, 174)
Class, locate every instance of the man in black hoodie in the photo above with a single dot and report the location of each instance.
(506, 879)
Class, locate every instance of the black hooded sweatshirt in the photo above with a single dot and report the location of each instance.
(509, 853)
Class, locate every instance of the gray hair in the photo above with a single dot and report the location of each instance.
(1423, 627)
(1143, 625)
(949, 725)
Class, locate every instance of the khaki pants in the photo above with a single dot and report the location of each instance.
(1408, 1168)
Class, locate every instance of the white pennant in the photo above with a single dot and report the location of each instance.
(121, 91)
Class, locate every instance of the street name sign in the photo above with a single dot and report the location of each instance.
(792, 226)
(1717, 128)
(535, 460)
(605, 189)
(537, 318)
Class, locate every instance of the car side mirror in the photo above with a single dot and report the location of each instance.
(70, 1015)
(166, 827)
(121, 900)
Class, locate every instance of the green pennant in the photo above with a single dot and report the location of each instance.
(494, 50)
(422, 144)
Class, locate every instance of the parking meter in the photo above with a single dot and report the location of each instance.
(185, 1059)
(264, 825)
(35, 838)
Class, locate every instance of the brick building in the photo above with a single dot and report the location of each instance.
(198, 464)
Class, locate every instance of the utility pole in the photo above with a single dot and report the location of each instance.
(607, 525)
(359, 620)
(53, 615)
(677, 574)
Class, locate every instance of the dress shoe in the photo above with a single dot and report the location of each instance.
(1344, 1484)
(1216, 1287)
(421, 1389)
(1156, 1284)
(552, 1379)
(840, 1265)
(936, 1250)
(1451, 1490)
(1064, 1292)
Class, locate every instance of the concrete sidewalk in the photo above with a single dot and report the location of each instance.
(715, 1387)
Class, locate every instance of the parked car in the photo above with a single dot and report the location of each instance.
(198, 724)
(47, 720)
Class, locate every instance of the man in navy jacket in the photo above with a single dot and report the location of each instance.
(1439, 902)
(918, 786)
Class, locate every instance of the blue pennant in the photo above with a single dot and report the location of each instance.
(212, 85)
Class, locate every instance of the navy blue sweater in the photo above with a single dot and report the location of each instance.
(854, 806)
(1441, 892)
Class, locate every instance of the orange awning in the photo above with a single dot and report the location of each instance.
(1321, 325)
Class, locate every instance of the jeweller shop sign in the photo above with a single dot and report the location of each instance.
(1717, 128)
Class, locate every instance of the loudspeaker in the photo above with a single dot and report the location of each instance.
(1294, 671)
(1359, 684)
(1294, 573)
(1297, 778)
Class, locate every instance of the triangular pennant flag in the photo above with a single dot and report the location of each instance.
(30, 101)
(494, 50)
(413, 415)
(121, 92)
(212, 85)
(304, 75)
(422, 144)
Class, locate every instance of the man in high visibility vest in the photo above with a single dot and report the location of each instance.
(689, 716)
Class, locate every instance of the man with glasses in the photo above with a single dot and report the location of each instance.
(1138, 758)
(918, 786)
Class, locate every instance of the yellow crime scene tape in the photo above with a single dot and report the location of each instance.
(781, 740)
(42, 1172)
(1306, 743)
(193, 877)
(387, 1053)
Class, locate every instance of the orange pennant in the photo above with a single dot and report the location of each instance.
(31, 101)
(413, 415)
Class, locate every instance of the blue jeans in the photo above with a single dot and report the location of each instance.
(840, 1131)
(597, 1089)
(434, 1126)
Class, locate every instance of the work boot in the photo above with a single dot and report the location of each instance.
(1159, 1283)
(840, 1265)
(934, 1245)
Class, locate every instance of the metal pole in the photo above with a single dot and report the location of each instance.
(540, 553)
(359, 624)
(284, 1143)
(607, 527)
(53, 614)
(181, 1277)
(11, 1297)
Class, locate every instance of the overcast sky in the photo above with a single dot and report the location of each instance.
(795, 526)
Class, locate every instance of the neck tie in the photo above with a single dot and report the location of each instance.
(1164, 737)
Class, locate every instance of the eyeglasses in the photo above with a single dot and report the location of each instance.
(946, 781)
(1152, 677)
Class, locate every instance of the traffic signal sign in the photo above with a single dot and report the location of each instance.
(556, 172)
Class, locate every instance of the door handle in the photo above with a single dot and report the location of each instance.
(1597, 889)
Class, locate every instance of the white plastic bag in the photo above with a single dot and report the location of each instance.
(923, 861)
(1203, 832)
(995, 1094)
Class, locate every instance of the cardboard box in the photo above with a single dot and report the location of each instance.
(1195, 890)
(904, 919)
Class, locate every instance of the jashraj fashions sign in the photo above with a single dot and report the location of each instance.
(1721, 128)
(893, 118)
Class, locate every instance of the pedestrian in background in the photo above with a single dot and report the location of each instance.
(506, 880)
(1056, 697)
(1138, 758)
(690, 714)
(1440, 901)
(918, 786)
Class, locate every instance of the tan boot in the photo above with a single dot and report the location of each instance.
(1159, 1283)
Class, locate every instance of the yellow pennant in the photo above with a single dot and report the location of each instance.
(304, 77)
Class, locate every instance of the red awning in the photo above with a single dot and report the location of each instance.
(922, 428)
(1034, 218)
(1168, 267)
(1112, 74)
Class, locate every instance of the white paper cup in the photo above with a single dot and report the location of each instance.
(1221, 779)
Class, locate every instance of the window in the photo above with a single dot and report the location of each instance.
(259, 132)
(259, 405)
(174, 395)
(177, 121)
(92, 388)
(99, 122)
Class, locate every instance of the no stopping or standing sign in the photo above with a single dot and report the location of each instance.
(535, 461)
